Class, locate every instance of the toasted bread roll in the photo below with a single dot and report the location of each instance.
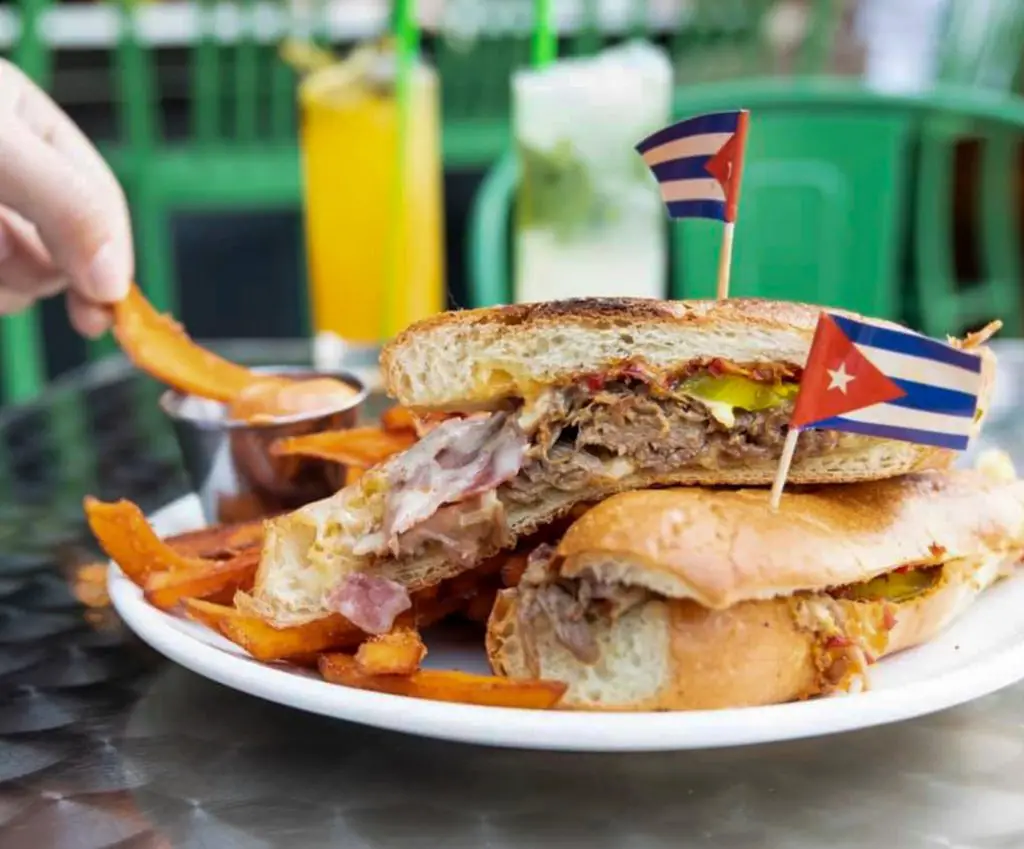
(673, 654)
(694, 599)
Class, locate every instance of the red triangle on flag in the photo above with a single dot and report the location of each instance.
(720, 166)
(838, 378)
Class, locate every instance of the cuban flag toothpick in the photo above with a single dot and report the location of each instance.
(698, 164)
(884, 381)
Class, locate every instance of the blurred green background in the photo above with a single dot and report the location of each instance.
(910, 108)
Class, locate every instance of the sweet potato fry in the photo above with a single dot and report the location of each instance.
(209, 614)
(426, 422)
(352, 474)
(398, 419)
(399, 652)
(363, 446)
(265, 642)
(89, 585)
(217, 578)
(478, 608)
(445, 685)
(124, 534)
(219, 541)
(159, 346)
(213, 616)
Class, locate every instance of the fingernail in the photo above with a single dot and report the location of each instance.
(108, 278)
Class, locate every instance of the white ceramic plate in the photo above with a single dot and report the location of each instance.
(982, 652)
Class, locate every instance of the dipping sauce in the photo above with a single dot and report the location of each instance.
(264, 401)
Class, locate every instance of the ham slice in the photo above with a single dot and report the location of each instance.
(462, 530)
(457, 460)
(440, 491)
(369, 602)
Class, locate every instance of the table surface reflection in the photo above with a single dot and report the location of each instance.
(105, 744)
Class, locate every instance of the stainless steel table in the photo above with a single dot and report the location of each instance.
(104, 744)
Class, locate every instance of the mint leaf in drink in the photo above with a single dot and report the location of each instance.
(556, 190)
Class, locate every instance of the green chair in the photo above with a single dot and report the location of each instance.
(981, 50)
(825, 201)
(824, 186)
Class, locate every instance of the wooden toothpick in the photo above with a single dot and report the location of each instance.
(784, 462)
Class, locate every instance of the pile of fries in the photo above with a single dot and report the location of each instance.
(199, 574)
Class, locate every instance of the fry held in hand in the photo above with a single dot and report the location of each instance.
(445, 685)
(159, 346)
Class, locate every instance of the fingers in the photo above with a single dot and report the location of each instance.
(88, 318)
(26, 270)
(52, 176)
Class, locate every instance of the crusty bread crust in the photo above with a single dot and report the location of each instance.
(722, 547)
(501, 351)
(754, 653)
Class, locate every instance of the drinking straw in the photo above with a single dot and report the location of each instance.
(544, 49)
(406, 48)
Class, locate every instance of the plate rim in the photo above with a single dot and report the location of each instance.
(551, 730)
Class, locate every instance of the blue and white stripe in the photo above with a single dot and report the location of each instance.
(678, 157)
(942, 385)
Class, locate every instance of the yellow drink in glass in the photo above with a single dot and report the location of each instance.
(358, 242)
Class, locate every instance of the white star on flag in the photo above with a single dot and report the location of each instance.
(839, 378)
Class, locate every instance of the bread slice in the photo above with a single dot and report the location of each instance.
(738, 612)
(476, 358)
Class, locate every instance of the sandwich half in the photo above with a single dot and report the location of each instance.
(553, 405)
(683, 599)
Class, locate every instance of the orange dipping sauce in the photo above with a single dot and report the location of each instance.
(278, 397)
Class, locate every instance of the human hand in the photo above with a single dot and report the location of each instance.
(63, 218)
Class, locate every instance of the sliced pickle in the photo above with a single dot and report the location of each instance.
(739, 391)
(894, 586)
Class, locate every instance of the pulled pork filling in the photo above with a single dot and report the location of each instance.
(599, 428)
(652, 432)
(571, 605)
